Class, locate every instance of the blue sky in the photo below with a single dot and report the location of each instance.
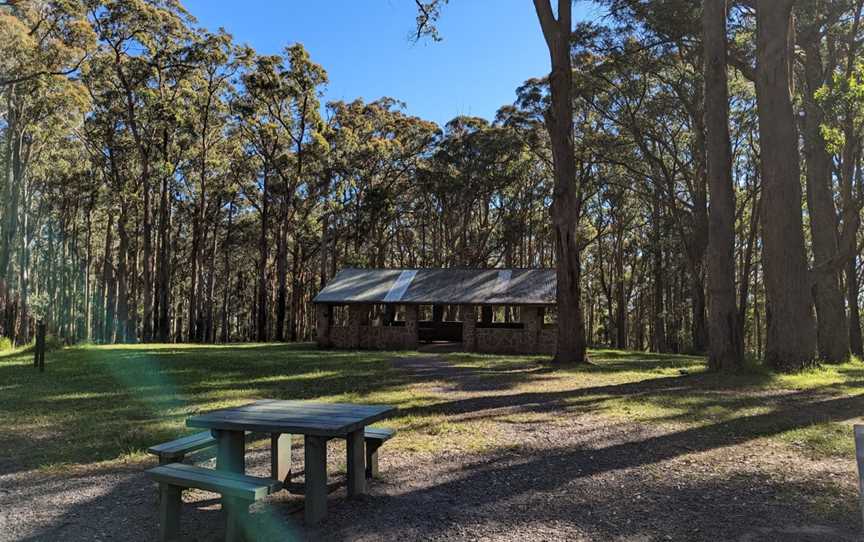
(490, 47)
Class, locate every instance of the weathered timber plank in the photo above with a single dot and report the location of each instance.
(170, 504)
(232, 484)
(230, 451)
(280, 457)
(356, 464)
(379, 433)
(315, 505)
(296, 415)
(184, 445)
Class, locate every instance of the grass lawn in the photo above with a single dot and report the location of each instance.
(109, 403)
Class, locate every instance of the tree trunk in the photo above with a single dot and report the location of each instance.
(726, 351)
(658, 320)
(855, 342)
(163, 273)
(110, 281)
(261, 321)
(790, 343)
(566, 201)
(832, 337)
(282, 280)
(225, 335)
(146, 263)
(122, 276)
(699, 326)
(209, 308)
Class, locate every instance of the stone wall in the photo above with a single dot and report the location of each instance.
(338, 338)
(515, 341)
(359, 333)
(469, 328)
(387, 338)
(323, 319)
(533, 338)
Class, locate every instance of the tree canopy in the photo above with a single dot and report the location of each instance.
(161, 182)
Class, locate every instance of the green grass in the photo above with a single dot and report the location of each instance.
(99, 403)
(812, 411)
(109, 403)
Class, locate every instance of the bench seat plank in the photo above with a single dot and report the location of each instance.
(183, 445)
(379, 433)
(230, 484)
(375, 437)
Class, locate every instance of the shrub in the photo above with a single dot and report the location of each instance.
(53, 342)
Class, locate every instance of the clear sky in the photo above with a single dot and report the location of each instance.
(490, 47)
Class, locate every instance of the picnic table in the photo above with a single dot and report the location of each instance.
(317, 422)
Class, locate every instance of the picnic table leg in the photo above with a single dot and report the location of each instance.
(237, 521)
(280, 457)
(231, 457)
(315, 466)
(372, 458)
(230, 450)
(356, 464)
(170, 503)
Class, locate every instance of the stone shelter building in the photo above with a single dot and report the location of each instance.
(486, 310)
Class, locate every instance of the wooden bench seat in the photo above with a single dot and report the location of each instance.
(238, 491)
(375, 437)
(176, 450)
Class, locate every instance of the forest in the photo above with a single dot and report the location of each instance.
(162, 183)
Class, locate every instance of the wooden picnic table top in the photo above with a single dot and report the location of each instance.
(294, 417)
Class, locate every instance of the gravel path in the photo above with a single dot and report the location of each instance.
(580, 476)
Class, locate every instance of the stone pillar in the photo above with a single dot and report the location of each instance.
(411, 328)
(533, 325)
(469, 328)
(358, 315)
(324, 319)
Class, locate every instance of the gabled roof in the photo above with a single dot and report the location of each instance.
(441, 286)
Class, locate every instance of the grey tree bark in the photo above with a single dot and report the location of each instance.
(726, 350)
(566, 203)
(832, 337)
(791, 334)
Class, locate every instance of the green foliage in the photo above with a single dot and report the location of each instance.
(843, 99)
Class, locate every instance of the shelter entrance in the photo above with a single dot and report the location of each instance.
(440, 324)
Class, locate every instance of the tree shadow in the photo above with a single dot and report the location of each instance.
(561, 493)
(94, 404)
(632, 488)
(124, 506)
(590, 485)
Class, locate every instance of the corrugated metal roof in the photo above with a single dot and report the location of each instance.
(441, 286)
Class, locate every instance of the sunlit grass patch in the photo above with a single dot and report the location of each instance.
(436, 433)
(97, 403)
(677, 389)
(109, 403)
(820, 440)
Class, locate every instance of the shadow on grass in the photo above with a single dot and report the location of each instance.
(97, 403)
(125, 399)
